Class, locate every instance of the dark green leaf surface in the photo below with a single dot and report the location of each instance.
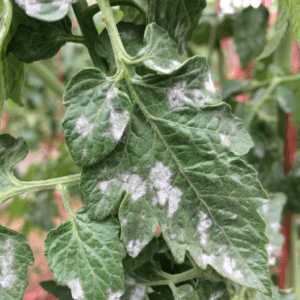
(279, 30)
(287, 99)
(11, 152)
(46, 10)
(134, 291)
(61, 292)
(15, 257)
(272, 214)
(250, 33)
(98, 113)
(294, 8)
(155, 49)
(178, 167)
(208, 290)
(178, 17)
(37, 40)
(87, 256)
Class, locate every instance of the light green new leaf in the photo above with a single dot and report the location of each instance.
(177, 163)
(287, 99)
(98, 113)
(185, 292)
(87, 256)
(11, 152)
(154, 48)
(134, 291)
(272, 213)
(294, 8)
(178, 17)
(208, 290)
(250, 33)
(46, 10)
(15, 257)
(279, 30)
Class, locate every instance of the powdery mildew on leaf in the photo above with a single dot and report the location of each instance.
(229, 266)
(204, 224)
(115, 295)
(209, 84)
(134, 291)
(84, 127)
(76, 289)
(134, 246)
(8, 277)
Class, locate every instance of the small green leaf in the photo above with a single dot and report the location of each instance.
(287, 99)
(272, 214)
(279, 30)
(185, 292)
(208, 290)
(233, 87)
(97, 115)
(15, 257)
(178, 17)
(250, 32)
(87, 256)
(294, 8)
(60, 291)
(134, 291)
(37, 40)
(46, 10)
(154, 48)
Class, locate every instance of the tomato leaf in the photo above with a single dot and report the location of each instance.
(134, 291)
(287, 99)
(207, 290)
(185, 291)
(15, 257)
(87, 256)
(294, 7)
(60, 291)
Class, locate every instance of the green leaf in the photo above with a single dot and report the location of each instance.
(98, 113)
(162, 292)
(134, 291)
(287, 99)
(272, 214)
(279, 30)
(60, 291)
(155, 49)
(178, 17)
(233, 87)
(87, 256)
(36, 40)
(208, 290)
(46, 10)
(185, 292)
(15, 257)
(294, 8)
(276, 295)
(177, 164)
(11, 152)
(11, 69)
(250, 32)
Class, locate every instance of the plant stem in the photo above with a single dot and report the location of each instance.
(47, 77)
(294, 257)
(89, 30)
(22, 187)
(63, 190)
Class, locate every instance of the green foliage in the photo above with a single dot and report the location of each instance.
(60, 291)
(293, 7)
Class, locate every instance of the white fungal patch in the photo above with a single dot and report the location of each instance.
(84, 127)
(207, 259)
(134, 247)
(7, 277)
(31, 7)
(76, 289)
(118, 122)
(134, 185)
(138, 293)
(160, 177)
(114, 295)
(103, 185)
(177, 96)
(216, 295)
(208, 83)
(225, 143)
(233, 217)
(173, 236)
(124, 221)
(229, 266)
(111, 94)
(204, 224)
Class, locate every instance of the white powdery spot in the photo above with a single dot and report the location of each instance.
(84, 127)
(173, 236)
(204, 224)
(177, 96)
(103, 185)
(229, 266)
(76, 289)
(134, 247)
(118, 122)
(275, 225)
(114, 296)
(124, 221)
(134, 185)
(7, 277)
(111, 94)
(31, 7)
(207, 259)
(216, 295)
(138, 293)
(233, 217)
(160, 177)
(225, 143)
(208, 83)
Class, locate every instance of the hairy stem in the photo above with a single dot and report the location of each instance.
(63, 190)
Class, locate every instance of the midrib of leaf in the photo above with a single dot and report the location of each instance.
(156, 130)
